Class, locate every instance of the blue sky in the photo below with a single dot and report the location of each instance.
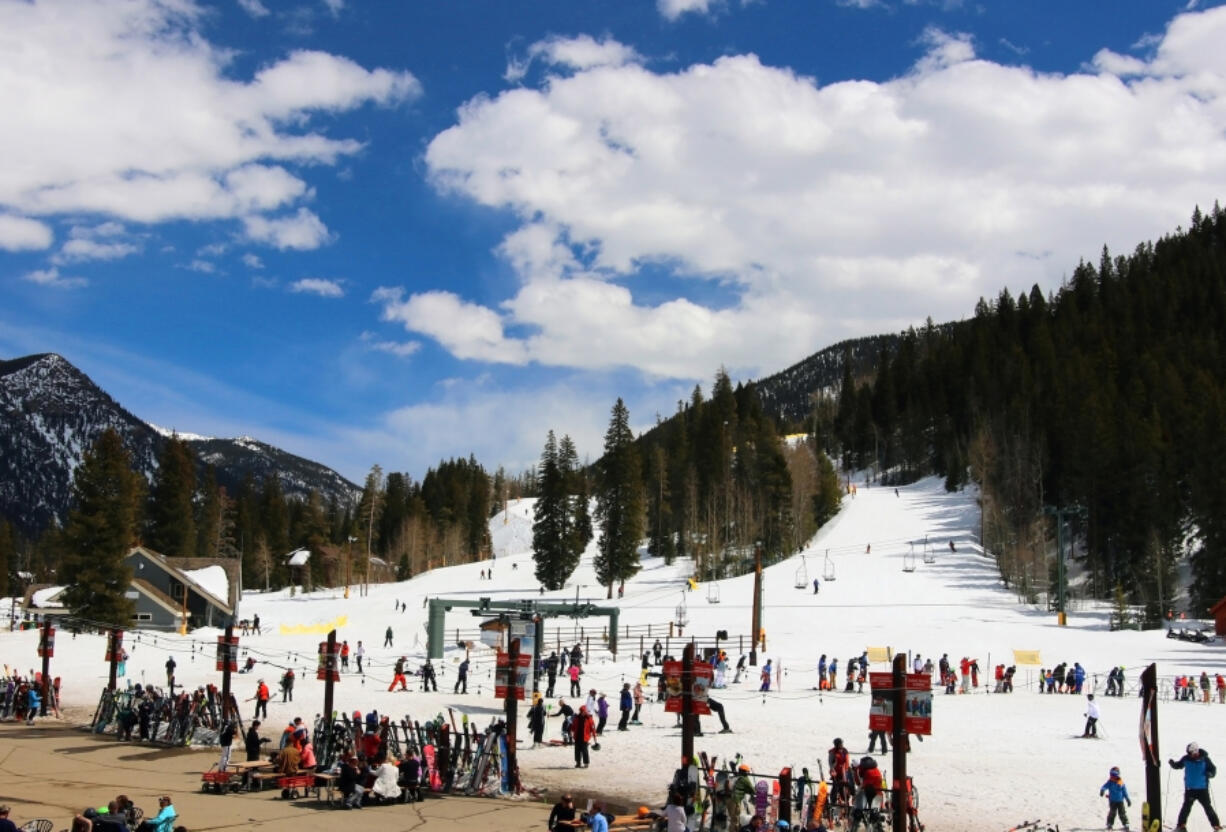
(399, 232)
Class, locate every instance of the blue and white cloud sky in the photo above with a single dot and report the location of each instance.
(397, 232)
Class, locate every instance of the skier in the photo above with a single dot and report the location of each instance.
(428, 681)
(1198, 770)
(359, 653)
(387, 638)
(766, 676)
(255, 625)
(872, 742)
(624, 704)
(975, 673)
(1091, 717)
(582, 732)
(740, 668)
(573, 671)
(638, 703)
(461, 682)
(1117, 795)
(834, 674)
(170, 672)
(816, 586)
(345, 655)
(398, 675)
(965, 667)
(287, 685)
(261, 699)
(657, 650)
(551, 670)
(567, 713)
(602, 710)
(717, 708)
(944, 666)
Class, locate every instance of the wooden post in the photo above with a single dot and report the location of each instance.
(687, 704)
(512, 709)
(46, 651)
(785, 795)
(225, 672)
(757, 606)
(115, 661)
(900, 742)
(1152, 809)
(329, 666)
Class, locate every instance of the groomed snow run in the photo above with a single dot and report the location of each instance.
(992, 761)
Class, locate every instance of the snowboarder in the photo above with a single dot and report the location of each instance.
(1091, 717)
(387, 638)
(1117, 795)
(255, 625)
(1198, 770)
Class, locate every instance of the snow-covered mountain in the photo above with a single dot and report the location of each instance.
(50, 414)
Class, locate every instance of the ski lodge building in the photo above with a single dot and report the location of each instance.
(164, 591)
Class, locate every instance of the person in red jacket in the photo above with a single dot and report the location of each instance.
(966, 675)
(839, 763)
(582, 729)
(869, 798)
(261, 700)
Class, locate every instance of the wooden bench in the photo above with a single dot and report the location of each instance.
(220, 781)
(259, 778)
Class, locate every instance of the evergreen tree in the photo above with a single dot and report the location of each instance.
(101, 528)
(208, 543)
(171, 512)
(619, 502)
(274, 529)
(550, 520)
(7, 556)
(578, 531)
(367, 520)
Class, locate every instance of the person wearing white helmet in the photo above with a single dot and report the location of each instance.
(1198, 770)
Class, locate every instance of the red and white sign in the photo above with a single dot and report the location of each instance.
(114, 646)
(917, 718)
(703, 675)
(46, 643)
(227, 654)
(329, 663)
(501, 674)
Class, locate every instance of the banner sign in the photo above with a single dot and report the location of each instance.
(46, 643)
(703, 674)
(329, 663)
(917, 718)
(1026, 657)
(227, 654)
(502, 674)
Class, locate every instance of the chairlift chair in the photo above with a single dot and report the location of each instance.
(908, 559)
(828, 573)
(802, 575)
(682, 618)
(930, 555)
(712, 592)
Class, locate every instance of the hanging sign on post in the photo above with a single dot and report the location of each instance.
(501, 674)
(114, 646)
(46, 643)
(328, 663)
(227, 653)
(918, 716)
(703, 674)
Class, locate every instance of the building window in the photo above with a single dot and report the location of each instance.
(143, 616)
(176, 590)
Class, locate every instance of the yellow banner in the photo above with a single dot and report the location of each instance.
(1026, 657)
(879, 654)
(313, 629)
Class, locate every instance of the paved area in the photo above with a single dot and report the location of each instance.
(53, 770)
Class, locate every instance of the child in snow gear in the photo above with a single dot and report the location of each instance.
(869, 799)
(1091, 729)
(1198, 770)
(1117, 795)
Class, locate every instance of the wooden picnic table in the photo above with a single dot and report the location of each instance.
(248, 770)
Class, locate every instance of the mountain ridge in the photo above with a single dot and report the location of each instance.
(50, 414)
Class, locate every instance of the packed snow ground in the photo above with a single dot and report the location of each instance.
(992, 761)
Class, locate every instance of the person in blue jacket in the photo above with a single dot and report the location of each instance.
(1198, 769)
(33, 703)
(1117, 795)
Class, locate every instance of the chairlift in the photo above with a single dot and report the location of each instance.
(712, 592)
(682, 616)
(930, 555)
(802, 574)
(828, 573)
(908, 559)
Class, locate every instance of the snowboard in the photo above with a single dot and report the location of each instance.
(761, 798)
(433, 779)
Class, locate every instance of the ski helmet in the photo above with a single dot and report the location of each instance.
(838, 742)
(1115, 771)
(867, 763)
(1193, 748)
(782, 824)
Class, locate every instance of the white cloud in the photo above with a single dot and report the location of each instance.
(581, 52)
(52, 277)
(252, 261)
(301, 231)
(202, 266)
(335, 7)
(23, 234)
(254, 8)
(318, 286)
(400, 349)
(174, 132)
(81, 250)
(673, 9)
(787, 215)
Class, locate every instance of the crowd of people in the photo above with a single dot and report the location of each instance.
(118, 815)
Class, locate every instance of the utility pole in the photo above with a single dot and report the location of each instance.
(227, 659)
(511, 704)
(687, 704)
(1152, 809)
(899, 693)
(328, 673)
(116, 645)
(46, 649)
(756, 626)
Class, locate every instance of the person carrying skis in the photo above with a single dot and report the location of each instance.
(1198, 770)
(1091, 715)
(1117, 795)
